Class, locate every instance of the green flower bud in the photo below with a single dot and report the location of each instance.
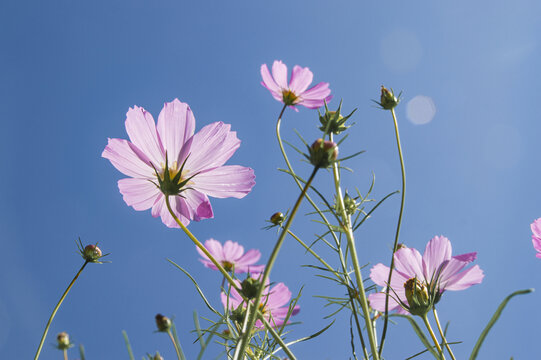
(249, 287)
(63, 341)
(92, 253)
(238, 314)
(388, 100)
(323, 153)
(417, 295)
(332, 122)
(350, 204)
(163, 323)
(157, 357)
(277, 218)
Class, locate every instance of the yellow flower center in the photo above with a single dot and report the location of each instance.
(228, 266)
(289, 97)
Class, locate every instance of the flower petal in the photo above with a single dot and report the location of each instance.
(160, 209)
(409, 262)
(176, 124)
(226, 181)
(318, 92)
(214, 145)
(465, 279)
(232, 251)
(278, 296)
(198, 205)
(279, 73)
(536, 228)
(377, 302)
(301, 78)
(268, 81)
(128, 159)
(141, 129)
(436, 252)
(138, 193)
(214, 247)
(380, 274)
(250, 257)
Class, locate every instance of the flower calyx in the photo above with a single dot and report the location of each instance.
(171, 180)
(90, 253)
(332, 122)
(419, 299)
(63, 341)
(388, 100)
(249, 287)
(323, 153)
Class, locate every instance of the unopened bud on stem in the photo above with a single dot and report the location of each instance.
(163, 323)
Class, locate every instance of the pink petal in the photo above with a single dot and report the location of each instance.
(536, 228)
(468, 257)
(160, 209)
(318, 92)
(226, 181)
(252, 269)
(279, 73)
(214, 247)
(141, 129)
(176, 124)
(436, 252)
(197, 205)
(232, 251)
(380, 274)
(377, 302)
(251, 257)
(138, 193)
(409, 262)
(536, 243)
(465, 279)
(278, 296)
(128, 159)
(301, 78)
(268, 81)
(214, 145)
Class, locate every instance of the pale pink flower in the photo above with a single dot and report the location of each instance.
(294, 93)
(536, 236)
(436, 269)
(274, 303)
(143, 158)
(231, 256)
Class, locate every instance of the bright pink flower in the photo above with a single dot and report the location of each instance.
(204, 155)
(231, 256)
(294, 93)
(536, 236)
(436, 267)
(274, 303)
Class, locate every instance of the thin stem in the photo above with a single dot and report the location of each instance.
(56, 309)
(354, 310)
(397, 235)
(174, 344)
(65, 354)
(442, 334)
(245, 339)
(433, 336)
(276, 337)
(200, 246)
(346, 220)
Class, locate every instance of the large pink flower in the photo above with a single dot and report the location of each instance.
(143, 158)
(274, 303)
(436, 267)
(536, 236)
(231, 256)
(294, 93)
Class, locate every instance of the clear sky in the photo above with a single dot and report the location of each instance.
(69, 71)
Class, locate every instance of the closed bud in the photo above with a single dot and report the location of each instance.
(388, 100)
(323, 153)
(332, 122)
(163, 323)
(63, 341)
(92, 253)
(350, 204)
(249, 287)
(277, 218)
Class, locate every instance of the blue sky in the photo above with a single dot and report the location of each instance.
(70, 71)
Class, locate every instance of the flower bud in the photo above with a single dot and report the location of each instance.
(387, 100)
(332, 122)
(249, 287)
(92, 253)
(157, 357)
(417, 295)
(350, 204)
(63, 341)
(238, 314)
(163, 323)
(323, 153)
(277, 218)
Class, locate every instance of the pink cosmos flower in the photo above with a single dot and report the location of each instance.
(436, 267)
(294, 93)
(195, 163)
(536, 236)
(231, 256)
(274, 303)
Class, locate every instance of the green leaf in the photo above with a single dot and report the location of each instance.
(128, 346)
(419, 333)
(82, 351)
(493, 320)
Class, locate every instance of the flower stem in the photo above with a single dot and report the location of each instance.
(56, 309)
(442, 334)
(200, 246)
(245, 339)
(346, 223)
(397, 235)
(174, 344)
(433, 336)
(65, 354)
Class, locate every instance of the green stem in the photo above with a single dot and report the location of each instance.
(174, 344)
(245, 339)
(65, 354)
(397, 235)
(56, 309)
(433, 336)
(442, 334)
(276, 336)
(356, 267)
